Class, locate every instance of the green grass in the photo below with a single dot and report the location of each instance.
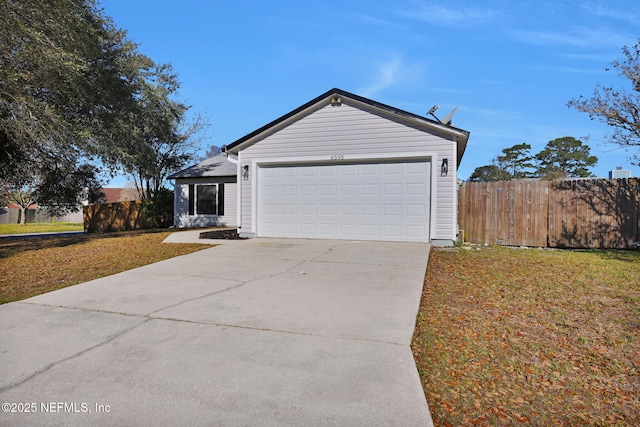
(44, 227)
(526, 336)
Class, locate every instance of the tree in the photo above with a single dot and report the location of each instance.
(489, 173)
(161, 140)
(517, 160)
(70, 83)
(618, 108)
(213, 151)
(65, 72)
(20, 193)
(565, 158)
(512, 163)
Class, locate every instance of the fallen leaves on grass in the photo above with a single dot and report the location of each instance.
(509, 336)
(37, 265)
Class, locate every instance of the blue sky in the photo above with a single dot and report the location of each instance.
(510, 66)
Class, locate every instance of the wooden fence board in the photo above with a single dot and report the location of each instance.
(582, 213)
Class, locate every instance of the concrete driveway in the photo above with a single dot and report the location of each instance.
(258, 332)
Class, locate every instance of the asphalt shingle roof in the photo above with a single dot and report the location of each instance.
(214, 166)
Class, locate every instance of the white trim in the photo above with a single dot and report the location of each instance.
(346, 158)
(195, 200)
(236, 160)
(456, 188)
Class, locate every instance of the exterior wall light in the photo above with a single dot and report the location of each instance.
(336, 101)
(444, 169)
(245, 172)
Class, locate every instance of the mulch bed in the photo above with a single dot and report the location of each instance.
(230, 234)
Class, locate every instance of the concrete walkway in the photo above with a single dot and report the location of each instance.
(263, 332)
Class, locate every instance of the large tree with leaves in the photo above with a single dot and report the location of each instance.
(618, 107)
(517, 160)
(490, 173)
(161, 139)
(512, 163)
(76, 94)
(66, 73)
(565, 157)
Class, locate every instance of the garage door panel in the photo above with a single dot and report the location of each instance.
(370, 230)
(349, 210)
(416, 230)
(418, 168)
(393, 168)
(308, 209)
(348, 190)
(392, 230)
(289, 210)
(416, 210)
(308, 190)
(416, 189)
(369, 201)
(308, 229)
(370, 189)
(393, 210)
(349, 170)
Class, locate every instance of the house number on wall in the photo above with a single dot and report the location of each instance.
(337, 157)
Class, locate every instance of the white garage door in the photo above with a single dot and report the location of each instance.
(364, 201)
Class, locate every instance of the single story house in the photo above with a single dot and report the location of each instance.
(343, 166)
(205, 194)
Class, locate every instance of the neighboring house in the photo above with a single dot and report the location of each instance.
(114, 195)
(205, 194)
(339, 167)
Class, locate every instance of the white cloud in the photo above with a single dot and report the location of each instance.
(451, 16)
(386, 75)
(578, 37)
(607, 11)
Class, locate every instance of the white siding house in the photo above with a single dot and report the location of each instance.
(345, 167)
(205, 195)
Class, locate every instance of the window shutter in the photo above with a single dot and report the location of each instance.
(220, 199)
(191, 199)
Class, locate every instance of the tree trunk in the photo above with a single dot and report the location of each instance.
(23, 215)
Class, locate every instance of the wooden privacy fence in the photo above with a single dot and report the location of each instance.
(110, 217)
(580, 213)
(12, 216)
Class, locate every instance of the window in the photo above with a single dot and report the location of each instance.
(206, 199)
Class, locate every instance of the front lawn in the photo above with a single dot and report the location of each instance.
(33, 266)
(528, 336)
(45, 227)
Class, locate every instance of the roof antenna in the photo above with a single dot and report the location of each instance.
(447, 119)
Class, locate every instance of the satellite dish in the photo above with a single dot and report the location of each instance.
(433, 110)
(447, 119)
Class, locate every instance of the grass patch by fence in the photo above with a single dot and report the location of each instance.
(37, 265)
(40, 228)
(545, 337)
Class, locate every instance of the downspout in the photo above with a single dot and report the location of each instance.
(239, 190)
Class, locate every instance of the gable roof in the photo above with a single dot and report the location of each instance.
(214, 166)
(461, 136)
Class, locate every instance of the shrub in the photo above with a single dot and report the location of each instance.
(159, 209)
